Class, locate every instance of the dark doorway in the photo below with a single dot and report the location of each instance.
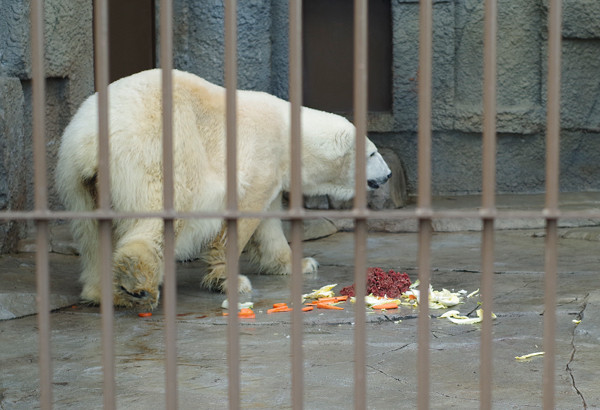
(131, 37)
(328, 52)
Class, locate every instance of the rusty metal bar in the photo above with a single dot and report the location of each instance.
(232, 253)
(104, 225)
(170, 279)
(424, 197)
(485, 357)
(395, 214)
(552, 194)
(41, 202)
(360, 201)
(297, 224)
(488, 209)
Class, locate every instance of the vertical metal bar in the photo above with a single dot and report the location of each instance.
(360, 201)
(488, 209)
(104, 225)
(41, 201)
(485, 364)
(297, 230)
(552, 192)
(424, 196)
(232, 253)
(170, 280)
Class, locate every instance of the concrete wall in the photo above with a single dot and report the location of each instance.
(262, 58)
(69, 79)
(458, 71)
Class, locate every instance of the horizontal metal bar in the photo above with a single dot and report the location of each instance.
(392, 214)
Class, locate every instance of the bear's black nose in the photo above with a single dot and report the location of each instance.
(139, 295)
(389, 175)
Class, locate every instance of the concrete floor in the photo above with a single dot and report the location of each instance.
(328, 335)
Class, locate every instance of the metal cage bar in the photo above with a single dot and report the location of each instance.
(424, 197)
(170, 279)
(41, 201)
(297, 224)
(552, 193)
(488, 209)
(104, 202)
(360, 201)
(233, 339)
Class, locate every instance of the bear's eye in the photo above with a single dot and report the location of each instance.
(372, 154)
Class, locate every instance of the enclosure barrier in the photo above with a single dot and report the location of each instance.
(424, 213)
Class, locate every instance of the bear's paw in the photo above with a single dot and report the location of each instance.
(309, 265)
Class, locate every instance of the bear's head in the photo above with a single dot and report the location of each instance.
(328, 156)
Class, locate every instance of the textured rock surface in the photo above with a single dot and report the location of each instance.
(457, 84)
(69, 79)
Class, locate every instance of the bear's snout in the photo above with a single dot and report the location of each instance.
(376, 183)
(378, 171)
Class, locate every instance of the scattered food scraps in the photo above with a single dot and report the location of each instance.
(455, 317)
(144, 314)
(283, 307)
(323, 292)
(470, 295)
(241, 305)
(438, 299)
(529, 356)
(380, 283)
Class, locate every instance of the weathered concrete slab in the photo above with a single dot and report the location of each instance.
(328, 335)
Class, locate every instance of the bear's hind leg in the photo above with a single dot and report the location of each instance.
(85, 233)
(269, 249)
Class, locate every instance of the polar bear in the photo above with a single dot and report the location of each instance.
(199, 174)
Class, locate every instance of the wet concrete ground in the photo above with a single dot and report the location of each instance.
(328, 335)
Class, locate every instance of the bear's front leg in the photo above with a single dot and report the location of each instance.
(216, 278)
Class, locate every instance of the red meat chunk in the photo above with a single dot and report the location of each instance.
(380, 283)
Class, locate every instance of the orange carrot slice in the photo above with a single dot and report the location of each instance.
(276, 305)
(328, 306)
(246, 314)
(144, 314)
(389, 305)
(334, 299)
(279, 309)
(307, 308)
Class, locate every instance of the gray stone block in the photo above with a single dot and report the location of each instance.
(14, 32)
(580, 88)
(518, 66)
(13, 186)
(199, 41)
(581, 19)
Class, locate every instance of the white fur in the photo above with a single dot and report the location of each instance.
(199, 173)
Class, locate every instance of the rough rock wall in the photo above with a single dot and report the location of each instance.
(69, 79)
(457, 80)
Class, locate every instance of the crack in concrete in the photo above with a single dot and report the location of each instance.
(574, 351)
(385, 374)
